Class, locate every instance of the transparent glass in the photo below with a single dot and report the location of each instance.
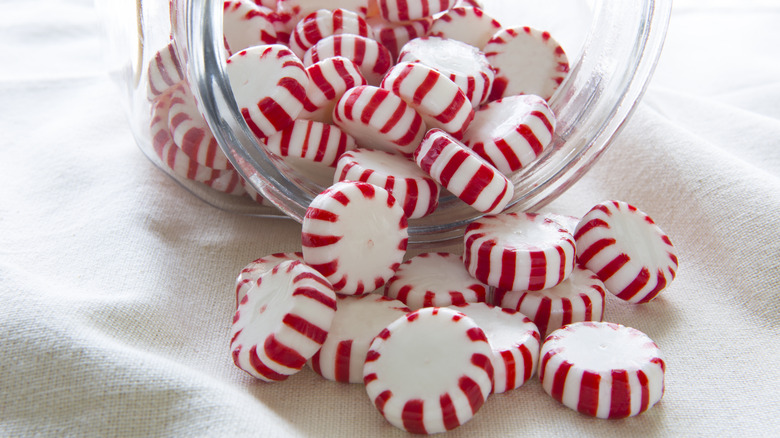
(613, 47)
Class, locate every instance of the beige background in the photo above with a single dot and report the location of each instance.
(116, 285)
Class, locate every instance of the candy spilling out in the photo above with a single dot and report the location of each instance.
(396, 102)
(440, 84)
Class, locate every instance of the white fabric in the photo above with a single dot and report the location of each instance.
(116, 286)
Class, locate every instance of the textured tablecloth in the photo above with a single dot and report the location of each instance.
(116, 286)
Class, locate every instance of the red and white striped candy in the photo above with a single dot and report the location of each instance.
(311, 141)
(329, 79)
(170, 154)
(378, 119)
(269, 83)
(440, 102)
(407, 10)
(301, 8)
(358, 320)
(246, 24)
(228, 182)
(164, 71)
(371, 57)
(271, 4)
(355, 234)
(249, 274)
(567, 221)
(511, 132)
(581, 297)
(436, 279)
(463, 64)
(514, 339)
(282, 321)
(518, 251)
(464, 173)
(192, 134)
(429, 371)
(602, 369)
(326, 22)
(417, 192)
(627, 250)
(472, 3)
(467, 24)
(527, 61)
(394, 35)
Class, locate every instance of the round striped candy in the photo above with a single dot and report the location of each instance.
(602, 369)
(394, 35)
(518, 251)
(627, 250)
(326, 22)
(310, 141)
(246, 24)
(192, 134)
(329, 79)
(249, 274)
(164, 71)
(371, 57)
(429, 371)
(406, 10)
(467, 24)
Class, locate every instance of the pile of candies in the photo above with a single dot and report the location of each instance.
(387, 102)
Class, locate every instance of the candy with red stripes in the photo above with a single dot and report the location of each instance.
(358, 320)
(329, 79)
(512, 132)
(515, 341)
(462, 63)
(471, 3)
(627, 250)
(379, 119)
(247, 277)
(310, 141)
(326, 22)
(269, 84)
(371, 57)
(439, 100)
(394, 35)
(407, 10)
(527, 61)
(228, 182)
(164, 71)
(299, 9)
(581, 297)
(282, 321)
(417, 192)
(518, 251)
(192, 134)
(602, 369)
(355, 234)
(467, 24)
(434, 279)
(464, 173)
(429, 371)
(246, 24)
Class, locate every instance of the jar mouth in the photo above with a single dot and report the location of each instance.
(607, 78)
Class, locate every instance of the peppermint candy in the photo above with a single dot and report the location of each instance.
(323, 23)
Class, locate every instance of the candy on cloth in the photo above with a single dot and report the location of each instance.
(192, 134)
(429, 371)
(467, 24)
(464, 173)
(355, 234)
(329, 79)
(371, 57)
(417, 192)
(378, 119)
(245, 24)
(310, 141)
(440, 102)
(324, 23)
(394, 35)
(627, 250)
(518, 251)
(463, 64)
(282, 321)
(511, 132)
(249, 274)
(581, 297)
(358, 320)
(434, 279)
(164, 71)
(602, 369)
(407, 10)
(514, 339)
(527, 61)
(269, 84)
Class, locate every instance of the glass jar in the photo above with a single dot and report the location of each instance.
(612, 47)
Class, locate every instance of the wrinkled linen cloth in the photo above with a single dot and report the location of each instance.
(116, 285)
